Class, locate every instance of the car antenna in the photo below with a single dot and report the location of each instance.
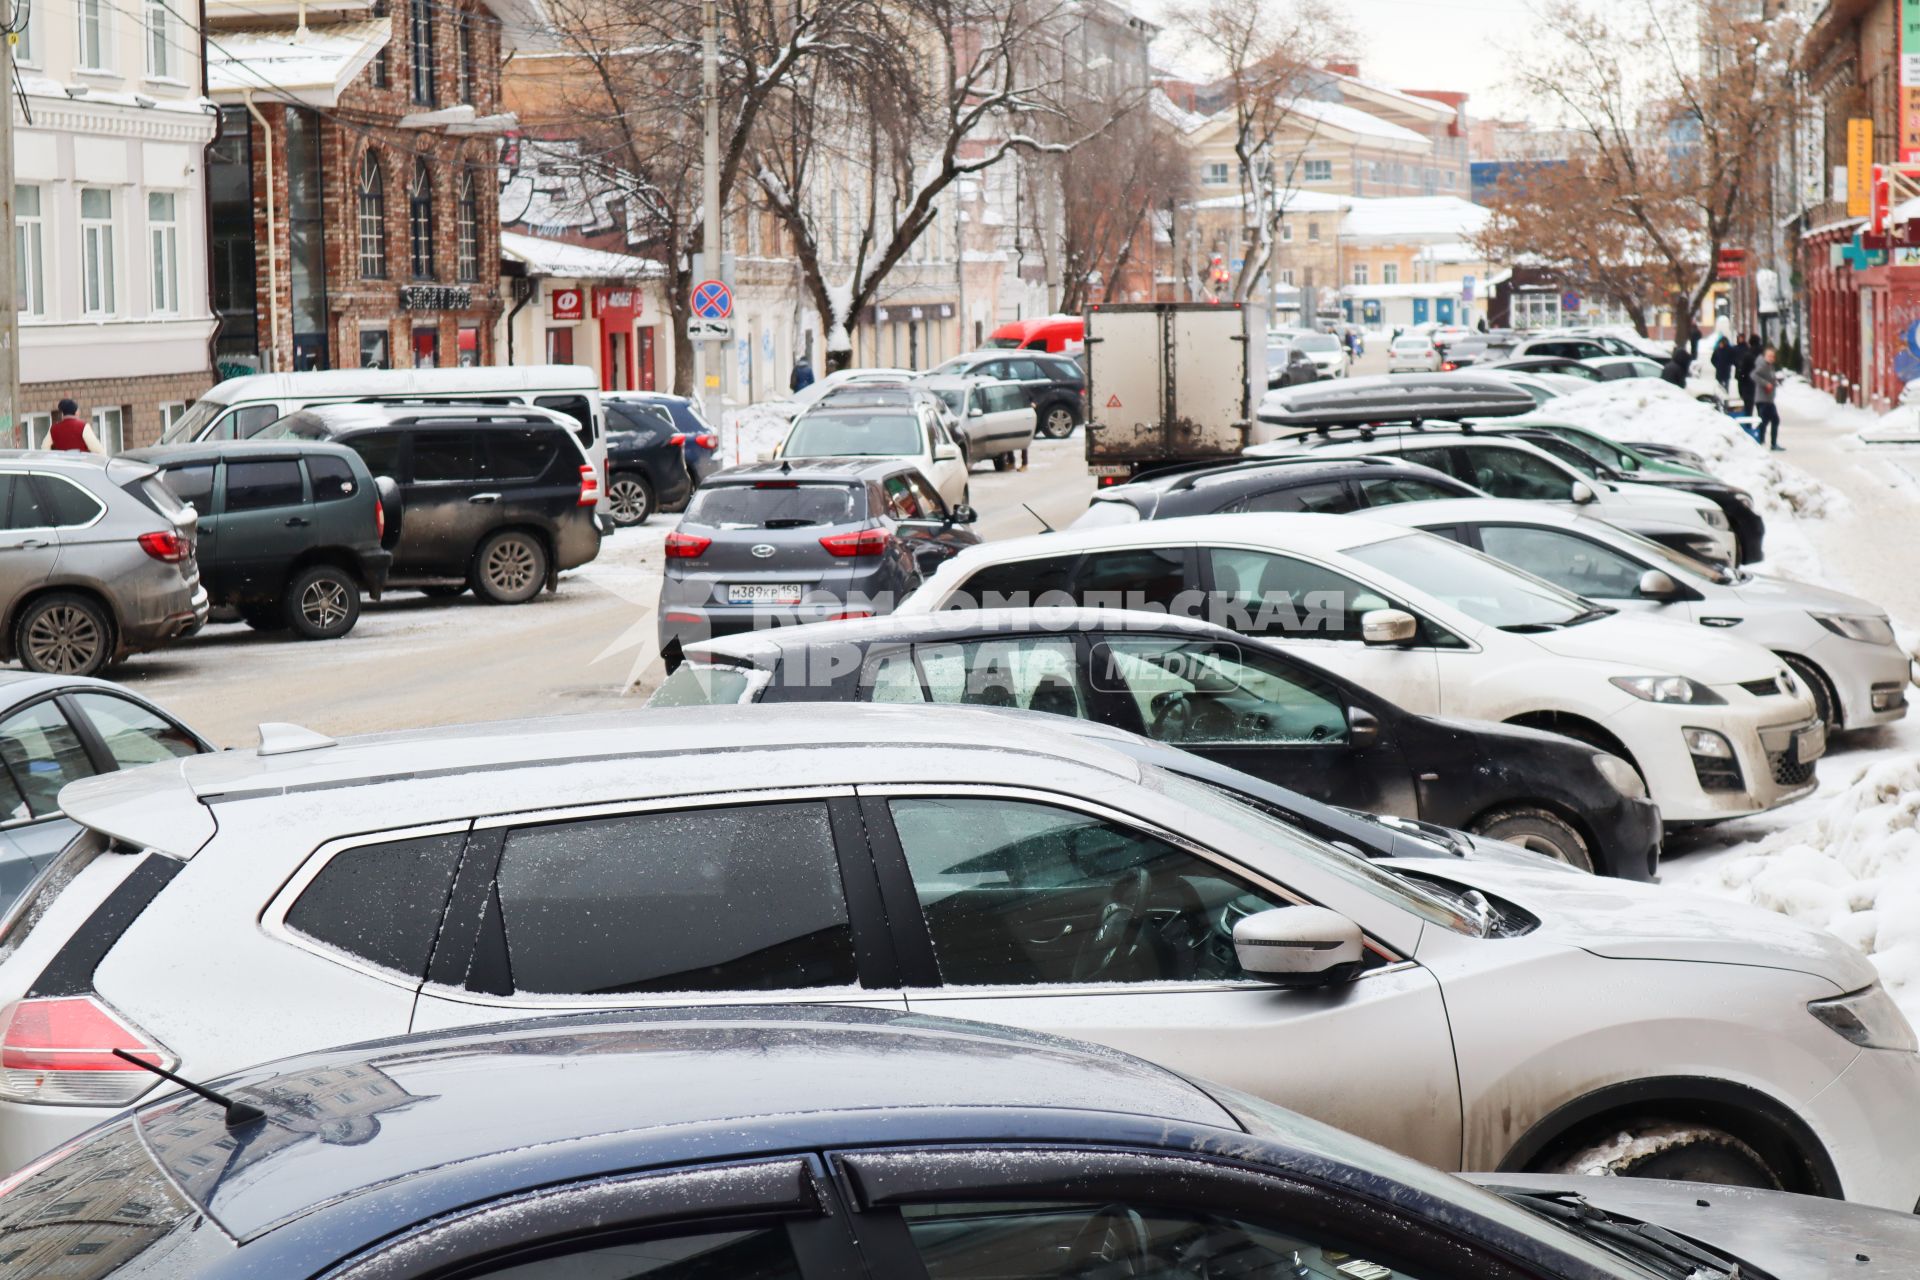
(239, 1114)
(1044, 526)
(786, 467)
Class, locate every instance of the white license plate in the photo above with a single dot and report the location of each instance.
(764, 593)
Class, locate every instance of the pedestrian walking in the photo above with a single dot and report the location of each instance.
(1675, 369)
(1744, 355)
(70, 433)
(802, 375)
(1766, 384)
(1722, 362)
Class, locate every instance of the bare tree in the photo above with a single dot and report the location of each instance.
(1555, 215)
(1112, 188)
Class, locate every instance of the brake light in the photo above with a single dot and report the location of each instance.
(867, 542)
(849, 615)
(589, 487)
(686, 546)
(1448, 366)
(60, 1050)
(678, 437)
(379, 519)
(168, 547)
(706, 441)
(776, 484)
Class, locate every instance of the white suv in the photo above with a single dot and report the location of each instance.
(949, 861)
(1716, 726)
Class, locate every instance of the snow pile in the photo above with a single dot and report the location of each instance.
(1852, 868)
(1900, 424)
(750, 432)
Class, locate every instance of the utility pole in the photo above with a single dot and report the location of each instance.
(713, 359)
(9, 282)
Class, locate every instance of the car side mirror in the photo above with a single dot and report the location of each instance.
(1657, 584)
(1363, 728)
(976, 412)
(962, 514)
(945, 453)
(1582, 492)
(1298, 946)
(1388, 627)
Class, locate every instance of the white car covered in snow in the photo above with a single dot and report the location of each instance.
(1716, 726)
(1841, 647)
(806, 397)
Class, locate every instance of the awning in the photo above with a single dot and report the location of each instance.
(557, 258)
(310, 66)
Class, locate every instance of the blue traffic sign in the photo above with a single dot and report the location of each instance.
(712, 300)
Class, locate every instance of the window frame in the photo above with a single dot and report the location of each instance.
(101, 17)
(163, 250)
(421, 87)
(30, 251)
(157, 41)
(370, 214)
(91, 745)
(466, 224)
(420, 220)
(97, 238)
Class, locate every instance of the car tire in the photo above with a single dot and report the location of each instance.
(510, 567)
(64, 633)
(444, 590)
(629, 500)
(322, 603)
(1809, 675)
(1057, 422)
(1654, 1148)
(1538, 830)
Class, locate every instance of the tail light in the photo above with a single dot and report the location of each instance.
(168, 547)
(1448, 366)
(686, 546)
(589, 486)
(379, 519)
(703, 439)
(59, 1050)
(867, 542)
(848, 615)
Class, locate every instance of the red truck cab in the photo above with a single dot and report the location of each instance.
(1048, 333)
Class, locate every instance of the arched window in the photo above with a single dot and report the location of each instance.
(420, 220)
(373, 218)
(467, 230)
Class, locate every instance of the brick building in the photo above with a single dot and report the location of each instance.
(354, 212)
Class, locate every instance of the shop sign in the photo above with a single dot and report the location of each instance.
(616, 302)
(1909, 81)
(565, 303)
(1859, 168)
(435, 297)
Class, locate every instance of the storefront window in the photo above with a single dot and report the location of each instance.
(230, 226)
(469, 346)
(559, 346)
(306, 240)
(374, 353)
(426, 348)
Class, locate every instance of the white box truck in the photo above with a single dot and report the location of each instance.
(1169, 382)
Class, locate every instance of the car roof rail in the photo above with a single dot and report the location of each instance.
(482, 401)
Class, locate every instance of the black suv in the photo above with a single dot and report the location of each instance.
(290, 531)
(647, 469)
(1056, 385)
(1332, 485)
(497, 499)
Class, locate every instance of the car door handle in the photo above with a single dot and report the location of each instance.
(484, 498)
(296, 522)
(29, 544)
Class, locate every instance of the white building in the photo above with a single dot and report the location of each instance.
(111, 233)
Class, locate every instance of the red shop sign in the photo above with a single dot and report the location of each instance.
(565, 304)
(616, 302)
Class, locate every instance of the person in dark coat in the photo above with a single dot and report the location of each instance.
(802, 375)
(1722, 362)
(1675, 369)
(1743, 357)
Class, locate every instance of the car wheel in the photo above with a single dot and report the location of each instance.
(322, 603)
(1058, 423)
(630, 500)
(64, 634)
(445, 590)
(1809, 675)
(510, 568)
(1662, 1149)
(1539, 831)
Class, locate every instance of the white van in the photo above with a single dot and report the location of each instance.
(240, 408)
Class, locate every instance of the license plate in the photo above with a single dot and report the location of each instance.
(764, 593)
(1810, 744)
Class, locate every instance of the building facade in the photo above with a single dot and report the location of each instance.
(110, 135)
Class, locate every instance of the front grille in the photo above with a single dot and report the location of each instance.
(1786, 772)
(1763, 688)
(1717, 774)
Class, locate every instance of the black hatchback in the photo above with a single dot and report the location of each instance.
(497, 499)
(1253, 706)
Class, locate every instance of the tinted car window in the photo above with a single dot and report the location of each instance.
(727, 899)
(381, 902)
(516, 453)
(763, 1254)
(628, 415)
(775, 504)
(1131, 579)
(380, 450)
(445, 456)
(1025, 369)
(1198, 691)
(1438, 459)
(1063, 371)
(133, 734)
(1017, 584)
(27, 509)
(1580, 565)
(249, 422)
(1032, 673)
(191, 484)
(931, 507)
(1388, 490)
(43, 753)
(254, 485)
(1327, 496)
(1509, 473)
(332, 479)
(579, 408)
(1279, 595)
(65, 504)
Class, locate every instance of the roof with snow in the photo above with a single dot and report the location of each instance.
(1414, 217)
(1338, 117)
(1302, 201)
(577, 262)
(1174, 114)
(310, 65)
(1397, 99)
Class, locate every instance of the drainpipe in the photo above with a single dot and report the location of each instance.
(273, 238)
(526, 296)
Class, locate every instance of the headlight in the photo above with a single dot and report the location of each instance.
(1867, 1018)
(1867, 630)
(1668, 689)
(1715, 518)
(1744, 498)
(1624, 777)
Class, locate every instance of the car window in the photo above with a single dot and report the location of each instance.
(1031, 673)
(825, 434)
(902, 503)
(931, 506)
(1327, 496)
(1135, 578)
(43, 753)
(1268, 594)
(192, 483)
(579, 408)
(1005, 399)
(134, 735)
(1480, 587)
(381, 902)
(1205, 691)
(252, 486)
(1025, 369)
(753, 1254)
(445, 456)
(332, 478)
(746, 898)
(632, 415)
(380, 450)
(248, 422)
(1511, 473)
(13, 805)
(1580, 565)
(774, 504)
(64, 504)
(1018, 893)
(704, 684)
(1439, 459)
(1387, 490)
(520, 453)
(1017, 584)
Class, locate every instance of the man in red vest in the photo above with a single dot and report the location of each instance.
(71, 432)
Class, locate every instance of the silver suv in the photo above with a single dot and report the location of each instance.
(96, 562)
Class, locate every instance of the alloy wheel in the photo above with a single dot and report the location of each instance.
(627, 500)
(65, 640)
(324, 604)
(1059, 424)
(510, 566)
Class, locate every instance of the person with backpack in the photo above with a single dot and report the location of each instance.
(70, 433)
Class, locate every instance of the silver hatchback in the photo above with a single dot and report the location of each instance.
(96, 562)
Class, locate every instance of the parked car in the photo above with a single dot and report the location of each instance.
(290, 532)
(1716, 726)
(647, 466)
(59, 729)
(497, 499)
(801, 540)
(1328, 352)
(1261, 708)
(1542, 386)
(1299, 483)
(1288, 365)
(1614, 368)
(698, 438)
(941, 861)
(977, 1152)
(1565, 366)
(995, 419)
(96, 562)
(792, 406)
(1056, 385)
(911, 432)
(1057, 335)
(1841, 648)
(1472, 348)
(1412, 353)
(1570, 347)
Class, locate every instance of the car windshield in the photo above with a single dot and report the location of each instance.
(1482, 588)
(1277, 356)
(706, 684)
(1408, 346)
(188, 425)
(863, 435)
(1678, 561)
(772, 504)
(954, 397)
(295, 426)
(1317, 342)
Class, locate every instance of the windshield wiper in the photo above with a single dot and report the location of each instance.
(1531, 628)
(782, 523)
(1667, 1253)
(1598, 611)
